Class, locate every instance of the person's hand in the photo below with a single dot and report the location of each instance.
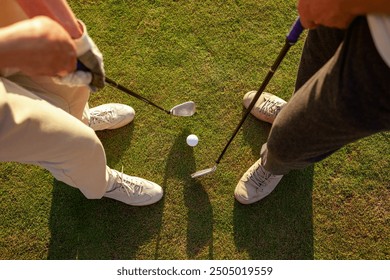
(92, 59)
(330, 13)
(90, 56)
(39, 47)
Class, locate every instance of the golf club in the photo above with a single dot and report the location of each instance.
(291, 39)
(185, 109)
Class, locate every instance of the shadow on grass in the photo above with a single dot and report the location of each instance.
(180, 164)
(100, 229)
(255, 133)
(116, 142)
(281, 225)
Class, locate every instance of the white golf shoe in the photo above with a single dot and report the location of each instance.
(267, 106)
(133, 190)
(110, 116)
(255, 184)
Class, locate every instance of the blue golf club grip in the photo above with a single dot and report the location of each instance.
(295, 31)
(81, 67)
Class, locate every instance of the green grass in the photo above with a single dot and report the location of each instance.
(211, 52)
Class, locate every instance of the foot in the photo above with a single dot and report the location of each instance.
(267, 106)
(110, 116)
(133, 190)
(255, 184)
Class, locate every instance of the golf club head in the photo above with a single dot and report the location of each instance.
(203, 172)
(185, 109)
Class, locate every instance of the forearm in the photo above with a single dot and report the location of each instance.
(37, 46)
(57, 10)
(338, 13)
(12, 40)
(363, 7)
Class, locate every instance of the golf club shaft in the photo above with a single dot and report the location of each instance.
(291, 39)
(132, 93)
(122, 88)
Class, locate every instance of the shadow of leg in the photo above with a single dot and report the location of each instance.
(281, 225)
(180, 165)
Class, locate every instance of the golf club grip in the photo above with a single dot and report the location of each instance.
(295, 31)
(81, 67)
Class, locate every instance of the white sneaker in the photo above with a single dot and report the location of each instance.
(267, 106)
(110, 116)
(255, 184)
(133, 190)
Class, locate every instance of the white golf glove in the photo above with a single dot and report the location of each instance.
(90, 56)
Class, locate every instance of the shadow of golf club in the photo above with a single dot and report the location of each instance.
(100, 229)
(180, 165)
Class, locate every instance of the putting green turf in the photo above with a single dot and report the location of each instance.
(210, 52)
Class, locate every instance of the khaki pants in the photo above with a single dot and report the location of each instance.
(45, 124)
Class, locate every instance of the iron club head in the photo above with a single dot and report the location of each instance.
(185, 109)
(204, 172)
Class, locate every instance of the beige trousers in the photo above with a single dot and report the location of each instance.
(45, 124)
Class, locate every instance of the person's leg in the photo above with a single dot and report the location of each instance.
(320, 45)
(347, 99)
(73, 100)
(33, 131)
(36, 132)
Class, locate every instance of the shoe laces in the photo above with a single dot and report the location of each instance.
(101, 116)
(259, 177)
(130, 187)
(270, 107)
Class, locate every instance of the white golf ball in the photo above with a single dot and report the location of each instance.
(192, 140)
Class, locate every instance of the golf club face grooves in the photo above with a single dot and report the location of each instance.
(204, 172)
(185, 109)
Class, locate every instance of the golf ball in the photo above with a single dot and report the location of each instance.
(192, 140)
